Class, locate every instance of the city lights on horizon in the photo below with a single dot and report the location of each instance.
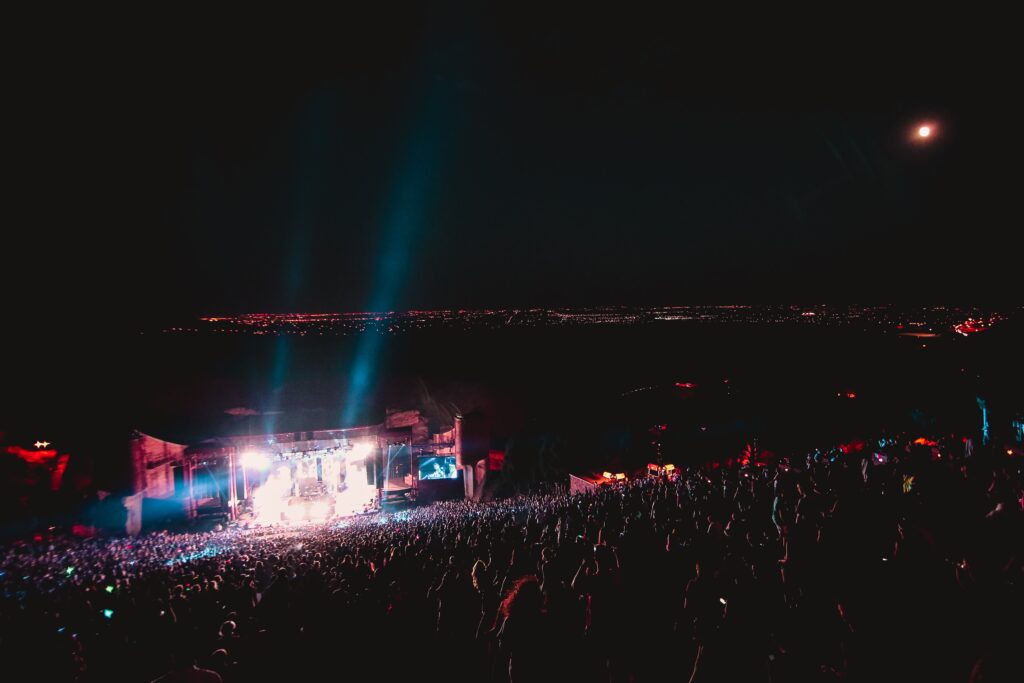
(921, 319)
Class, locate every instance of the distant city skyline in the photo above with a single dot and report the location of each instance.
(907, 319)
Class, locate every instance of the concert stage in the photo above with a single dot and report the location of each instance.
(298, 477)
(309, 486)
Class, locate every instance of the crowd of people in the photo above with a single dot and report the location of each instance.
(892, 561)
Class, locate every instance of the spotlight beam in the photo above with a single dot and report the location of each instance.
(405, 218)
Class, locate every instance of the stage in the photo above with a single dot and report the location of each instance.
(311, 486)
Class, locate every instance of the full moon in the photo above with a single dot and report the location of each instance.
(924, 131)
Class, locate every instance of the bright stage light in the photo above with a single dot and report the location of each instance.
(360, 451)
(924, 131)
(318, 511)
(255, 460)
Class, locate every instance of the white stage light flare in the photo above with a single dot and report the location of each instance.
(360, 451)
(318, 511)
(254, 460)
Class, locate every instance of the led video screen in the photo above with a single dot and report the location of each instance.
(441, 467)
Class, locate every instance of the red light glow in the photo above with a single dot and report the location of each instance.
(32, 457)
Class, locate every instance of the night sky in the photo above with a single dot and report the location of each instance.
(445, 160)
